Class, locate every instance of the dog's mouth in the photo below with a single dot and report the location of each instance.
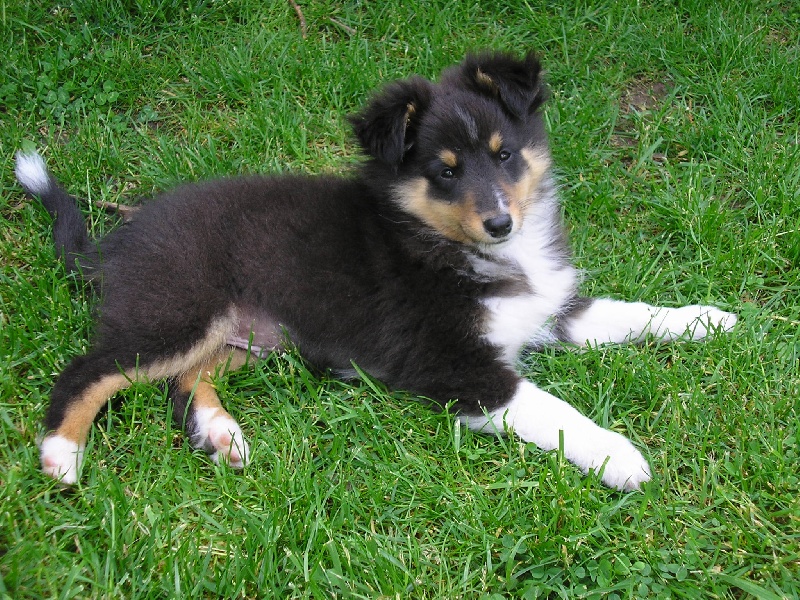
(493, 234)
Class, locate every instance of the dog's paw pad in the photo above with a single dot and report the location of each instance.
(61, 458)
(227, 443)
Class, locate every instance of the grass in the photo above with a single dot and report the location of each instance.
(674, 129)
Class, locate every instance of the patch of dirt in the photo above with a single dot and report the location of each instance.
(641, 96)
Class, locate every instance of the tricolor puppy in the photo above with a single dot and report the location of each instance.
(430, 268)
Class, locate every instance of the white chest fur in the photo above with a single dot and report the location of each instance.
(513, 321)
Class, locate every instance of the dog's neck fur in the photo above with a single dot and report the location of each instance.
(471, 267)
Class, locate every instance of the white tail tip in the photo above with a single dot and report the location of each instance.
(32, 173)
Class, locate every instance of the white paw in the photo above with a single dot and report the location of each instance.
(226, 437)
(623, 466)
(717, 319)
(694, 322)
(61, 458)
(219, 435)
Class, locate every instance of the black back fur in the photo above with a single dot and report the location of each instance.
(339, 264)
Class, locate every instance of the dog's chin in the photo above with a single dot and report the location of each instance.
(486, 241)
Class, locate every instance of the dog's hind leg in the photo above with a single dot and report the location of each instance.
(197, 408)
(594, 321)
(80, 392)
(89, 381)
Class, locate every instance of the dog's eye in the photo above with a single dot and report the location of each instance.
(447, 174)
(504, 155)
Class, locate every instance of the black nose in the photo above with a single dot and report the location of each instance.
(499, 226)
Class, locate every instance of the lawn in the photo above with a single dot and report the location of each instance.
(674, 128)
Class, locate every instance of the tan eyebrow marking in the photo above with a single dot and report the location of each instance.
(496, 142)
(449, 158)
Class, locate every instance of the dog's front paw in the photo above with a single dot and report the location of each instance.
(626, 468)
(693, 322)
(61, 458)
(712, 318)
(621, 465)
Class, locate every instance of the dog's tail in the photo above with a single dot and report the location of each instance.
(70, 234)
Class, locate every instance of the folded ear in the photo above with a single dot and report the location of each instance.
(516, 83)
(387, 126)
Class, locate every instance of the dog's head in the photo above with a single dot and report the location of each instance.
(465, 155)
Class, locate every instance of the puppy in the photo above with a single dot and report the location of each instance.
(430, 268)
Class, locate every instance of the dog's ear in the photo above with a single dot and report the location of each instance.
(387, 126)
(516, 83)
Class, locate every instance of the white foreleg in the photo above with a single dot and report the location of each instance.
(613, 321)
(538, 417)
